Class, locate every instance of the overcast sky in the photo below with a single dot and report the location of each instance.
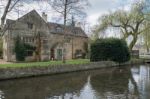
(100, 7)
(97, 8)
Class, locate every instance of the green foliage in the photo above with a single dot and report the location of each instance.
(110, 49)
(19, 49)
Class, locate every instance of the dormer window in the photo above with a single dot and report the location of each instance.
(59, 29)
(30, 25)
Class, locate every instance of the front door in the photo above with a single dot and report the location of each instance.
(59, 54)
(52, 54)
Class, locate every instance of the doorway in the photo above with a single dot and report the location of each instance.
(59, 54)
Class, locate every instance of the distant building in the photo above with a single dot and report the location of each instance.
(51, 34)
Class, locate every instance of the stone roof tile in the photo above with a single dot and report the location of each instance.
(70, 30)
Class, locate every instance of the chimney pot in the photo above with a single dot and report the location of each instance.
(44, 16)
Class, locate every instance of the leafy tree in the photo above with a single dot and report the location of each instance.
(110, 49)
(131, 23)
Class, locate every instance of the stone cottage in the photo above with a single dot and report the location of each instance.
(52, 38)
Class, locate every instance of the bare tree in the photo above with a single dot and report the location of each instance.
(13, 6)
(8, 7)
(67, 8)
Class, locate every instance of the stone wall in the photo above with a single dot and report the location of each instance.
(22, 27)
(10, 73)
(74, 43)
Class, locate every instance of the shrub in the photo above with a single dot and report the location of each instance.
(112, 49)
(19, 49)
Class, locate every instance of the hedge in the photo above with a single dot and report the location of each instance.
(112, 49)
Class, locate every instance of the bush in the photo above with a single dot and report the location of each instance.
(112, 49)
(19, 49)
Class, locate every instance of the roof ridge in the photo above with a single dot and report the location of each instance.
(28, 13)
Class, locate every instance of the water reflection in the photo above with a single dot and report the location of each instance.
(1, 95)
(112, 83)
(142, 78)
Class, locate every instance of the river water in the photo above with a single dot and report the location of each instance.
(110, 83)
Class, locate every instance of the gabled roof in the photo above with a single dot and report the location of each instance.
(30, 13)
(70, 30)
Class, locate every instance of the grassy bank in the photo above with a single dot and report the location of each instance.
(31, 64)
(50, 63)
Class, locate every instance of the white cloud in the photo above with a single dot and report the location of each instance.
(93, 18)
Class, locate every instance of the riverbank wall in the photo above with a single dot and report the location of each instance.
(12, 73)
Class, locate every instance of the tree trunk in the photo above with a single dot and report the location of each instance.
(133, 42)
(38, 48)
(125, 37)
(134, 83)
(65, 20)
(147, 43)
(65, 12)
(147, 47)
(5, 13)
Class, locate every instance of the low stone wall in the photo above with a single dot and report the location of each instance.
(10, 73)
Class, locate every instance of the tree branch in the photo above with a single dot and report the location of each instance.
(13, 5)
(5, 13)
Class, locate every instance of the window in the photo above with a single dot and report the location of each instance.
(68, 39)
(78, 53)
(59, 29)
(45, 44)
(45, 41)
(29, 53)
(28, 39)
(75, 31)
(30, 25)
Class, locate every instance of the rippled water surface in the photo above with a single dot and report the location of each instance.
(110, 83)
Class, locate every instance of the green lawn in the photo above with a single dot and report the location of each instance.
(31, 64)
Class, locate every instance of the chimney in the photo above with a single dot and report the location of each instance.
(44, 16)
